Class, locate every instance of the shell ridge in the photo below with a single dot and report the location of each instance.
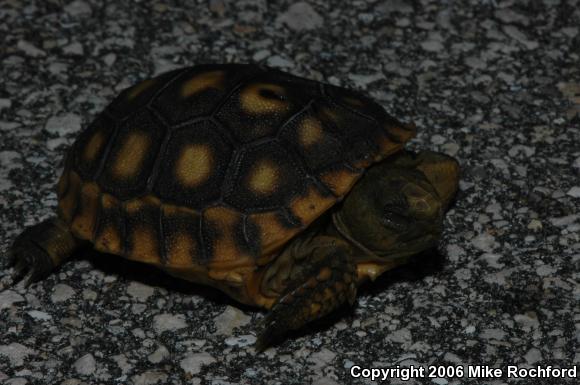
(195, 120)
(232, 169)
(152, 177)
(223, 131)
(294, 116)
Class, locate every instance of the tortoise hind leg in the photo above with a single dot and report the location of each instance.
(326, 280)
(39, 249)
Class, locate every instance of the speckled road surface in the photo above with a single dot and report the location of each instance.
(494, 83)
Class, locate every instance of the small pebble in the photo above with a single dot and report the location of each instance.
(86, 365)
(193, 363)
(169, 322)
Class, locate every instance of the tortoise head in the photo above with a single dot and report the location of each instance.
(397, 208)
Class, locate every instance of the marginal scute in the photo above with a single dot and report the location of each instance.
(83, 223)
(315, 308)
(94, 147)
(339, 181)
(201, 82)
(352, 101)
(402, 132)
(272, 230)
(229, 275)
(68, 197)
(145, 245)
(223, 240)
(387, 147)
(109, 202)
(181, 230)
(133, 206)
(181, 249)
(108, 240)
(308, 207)
(62, 185)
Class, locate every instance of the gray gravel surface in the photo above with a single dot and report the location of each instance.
(494, 83)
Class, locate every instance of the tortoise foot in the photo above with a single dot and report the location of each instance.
(39, 249)
(322, 288)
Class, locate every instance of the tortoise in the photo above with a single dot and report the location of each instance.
(284, 193)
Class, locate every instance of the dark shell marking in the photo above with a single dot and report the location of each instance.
(219, 164)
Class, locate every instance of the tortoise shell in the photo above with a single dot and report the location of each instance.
(219, 165)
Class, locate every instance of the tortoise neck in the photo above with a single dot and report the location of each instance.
(337, 227)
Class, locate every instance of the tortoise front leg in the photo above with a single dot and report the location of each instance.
(319, 284)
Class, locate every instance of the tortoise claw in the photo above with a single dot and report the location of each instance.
(28, 265)
(270, 332)
(39, 249)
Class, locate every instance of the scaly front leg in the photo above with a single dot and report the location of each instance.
(320, 283)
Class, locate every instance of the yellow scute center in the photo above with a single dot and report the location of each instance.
(137, 89)
(253, 98)
(264, 178)
(201, 82)
(93, 147)
(309, 131)
(194, 165)
(131, 155)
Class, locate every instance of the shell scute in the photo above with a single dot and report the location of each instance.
(214, 168)
(144, 235)
(139, 95)
(132, 156)
(194, 165)
(91, 145)
(199, 91)
(265, 177)
(110, 230)
(261, 106)
(315, 140)
(181, 228)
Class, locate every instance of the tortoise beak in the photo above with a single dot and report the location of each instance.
(443, 173)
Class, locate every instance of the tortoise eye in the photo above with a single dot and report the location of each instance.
(394, 217)
(395, 213)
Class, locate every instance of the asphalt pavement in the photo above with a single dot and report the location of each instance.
(495, 84)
